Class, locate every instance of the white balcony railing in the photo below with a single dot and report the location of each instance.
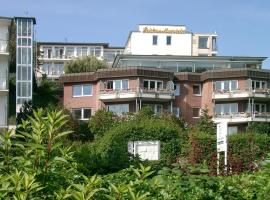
(136, 92)
(241, 93)
(243, 117)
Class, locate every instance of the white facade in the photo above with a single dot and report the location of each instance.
(169, 40)
(4, 58)
(54, 55)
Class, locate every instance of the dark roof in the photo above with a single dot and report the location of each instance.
(116, 73)
(33, 18)
(2, 17)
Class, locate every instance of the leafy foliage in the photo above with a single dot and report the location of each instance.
(87, 64)
(257, 127)
(205, 123)
(101, 122)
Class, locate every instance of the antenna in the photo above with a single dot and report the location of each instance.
(26, 13)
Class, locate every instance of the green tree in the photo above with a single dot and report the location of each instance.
(87, 64)
(101, 122)
(205, 123)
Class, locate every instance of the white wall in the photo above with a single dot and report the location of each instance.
(142, 44)
(3, 72)
(3, 110)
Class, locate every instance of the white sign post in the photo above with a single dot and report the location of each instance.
(222, 143)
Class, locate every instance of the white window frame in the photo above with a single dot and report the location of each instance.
(261, 82)
(82, 95)
(156, 81)
(82, 113)
(168, 36)
(199, 112)
(176, 111)
(121, 84)
(119, 114)
(200, 88)
(260, 107)
(223, 84)
(222, 108)
(177, 90)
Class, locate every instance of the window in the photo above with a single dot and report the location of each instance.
(196, 112)
(261, 108)
(153, 85)
(82, 90)
(119, 109)
(69, 52)
(176, 89)
(197, 90)
(82, 113)
(176, 111)
(155, 39)
(226, 109)
(157, 108)
(229, 85)
(117, 85)
(259, 85)
(214, 43)
(169, 40)
(232, 130)
(203, 42)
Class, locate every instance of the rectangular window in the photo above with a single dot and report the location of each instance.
(259, 85)
(155, 39)
(196, 112)
(69, 52)
(232, 130)
(169, 40)
(229, 85)
(176, 89)
(226, 109)
(82, 90)
(176, 111)
(118, 109)
(197, 90)
(82, 113)
(157, 108)
(203, 42)
(117, 85)
(153, 85)
(261, 108)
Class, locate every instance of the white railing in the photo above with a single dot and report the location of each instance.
(239, 91)
(137, 90)
(265, 115)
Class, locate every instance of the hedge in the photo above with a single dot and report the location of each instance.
(243, 150)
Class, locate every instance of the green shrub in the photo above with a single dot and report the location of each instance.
(244, 150)
(257, 127)
(113, 146)
(101, 122)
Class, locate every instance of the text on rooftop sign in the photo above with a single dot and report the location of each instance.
(166, 30)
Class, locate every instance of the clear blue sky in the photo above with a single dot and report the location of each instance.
(243, 26)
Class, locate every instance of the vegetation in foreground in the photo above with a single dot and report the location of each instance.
(37, 163)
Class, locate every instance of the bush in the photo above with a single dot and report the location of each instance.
(101, 122)
(257, 127)
(244, 150)
(87, 64)
(113, 146)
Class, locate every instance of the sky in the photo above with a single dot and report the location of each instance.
(243, 26)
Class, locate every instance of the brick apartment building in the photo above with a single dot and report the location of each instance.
(238, 96)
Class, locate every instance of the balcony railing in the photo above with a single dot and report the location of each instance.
(243, 116)
(3, 46)
(136, 92)
(220, 94)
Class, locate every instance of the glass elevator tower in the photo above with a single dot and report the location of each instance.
(24, 60)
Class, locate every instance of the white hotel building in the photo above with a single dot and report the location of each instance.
(4, 58)
(148, 40)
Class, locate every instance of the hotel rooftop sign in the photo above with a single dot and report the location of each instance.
(166, 30)
(171, 29)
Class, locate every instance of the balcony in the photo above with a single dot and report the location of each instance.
(242, 117)
(3, 47)
(241, 94)
(109, 95)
